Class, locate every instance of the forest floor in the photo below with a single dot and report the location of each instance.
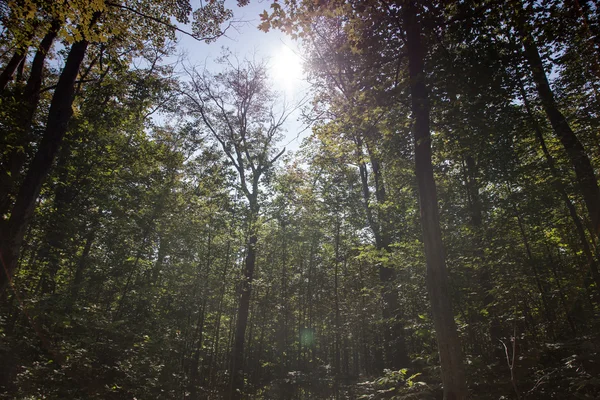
(560, 370)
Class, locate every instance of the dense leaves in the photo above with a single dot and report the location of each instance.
(157, 242)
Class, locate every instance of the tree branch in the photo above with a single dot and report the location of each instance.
(168, 24)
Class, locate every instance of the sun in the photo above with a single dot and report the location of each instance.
(287, 68)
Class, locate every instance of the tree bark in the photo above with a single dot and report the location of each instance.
(58, 118)
(450, 351)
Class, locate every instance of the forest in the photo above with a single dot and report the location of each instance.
(436, 235)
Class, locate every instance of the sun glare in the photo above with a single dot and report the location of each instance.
(287, 68)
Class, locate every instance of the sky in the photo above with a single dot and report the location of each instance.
(246, 41)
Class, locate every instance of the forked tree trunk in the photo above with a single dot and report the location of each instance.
(450, 351)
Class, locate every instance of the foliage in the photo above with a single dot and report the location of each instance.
(135, 258)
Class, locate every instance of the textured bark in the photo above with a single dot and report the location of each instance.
(450, 351)
(58, 118)
(584, 171)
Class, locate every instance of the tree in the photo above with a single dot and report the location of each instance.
(239, 111)
(453, 375)
(115, 18)
(403, 20)
(584, 171)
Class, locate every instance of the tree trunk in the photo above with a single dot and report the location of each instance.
(11, 67)
(450, 351)
(16, 157)
(58, 118)
(584, 171)
(484, 275)
(237, 359)
(560, 188)
(561, 292)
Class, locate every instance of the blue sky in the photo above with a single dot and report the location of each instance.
(247, 40)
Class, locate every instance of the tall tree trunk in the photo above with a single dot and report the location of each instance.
(160, 258)
(195, 374)
(16, 157)
(237, 359)
(58, 118)
(396, 353)
(559, 186)
(130, 276)
(450, 351)
(584, 171)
